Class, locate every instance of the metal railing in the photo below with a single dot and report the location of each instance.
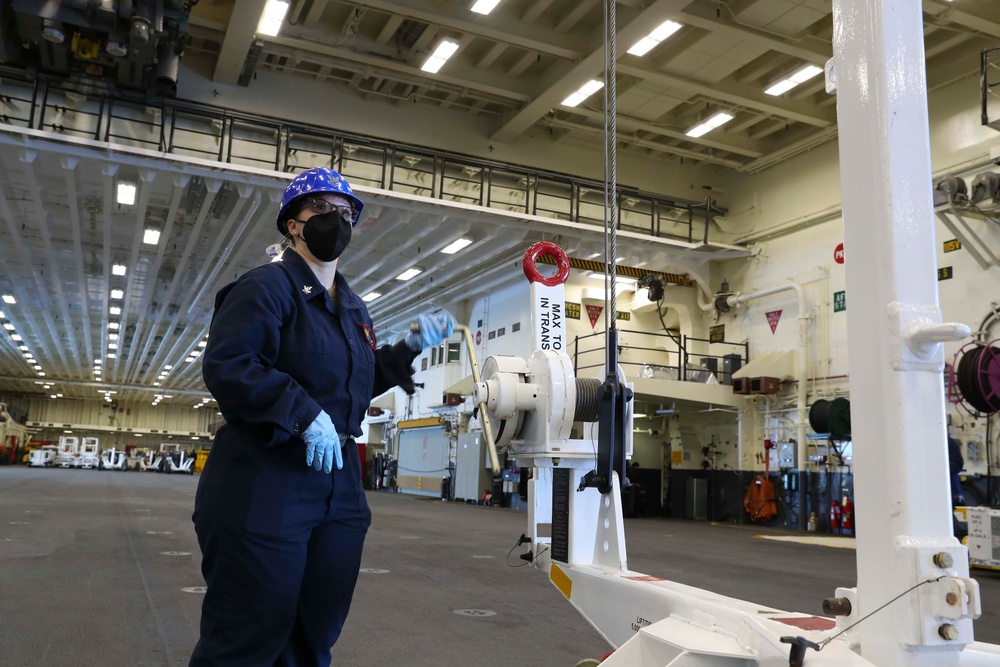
(662, 355)
(207, 132)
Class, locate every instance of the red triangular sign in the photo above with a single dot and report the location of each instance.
(772, 319)
(593, 312)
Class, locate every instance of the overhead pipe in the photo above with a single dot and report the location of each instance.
(802, 375)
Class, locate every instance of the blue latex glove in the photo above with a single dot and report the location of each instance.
(430, 330)
(323, 444)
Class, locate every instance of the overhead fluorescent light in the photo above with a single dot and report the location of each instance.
(585, 91)
(203, 343)
(98, 361)
(16, 337)
(456, 245)
(7, 298)
(710, 124)
(485, 6)
(151, 236)
(118, 269)
(8, 326)
(23, 348)
(409, 273)
(646, 44)
(801, 75)
(37, 368)
(112, 355)
(126, 193)
(113, 336)
(168, 368)
(112, 346)
(117, 294)
(446, 48)
(371, 296)
(115, 310)
(272, 18)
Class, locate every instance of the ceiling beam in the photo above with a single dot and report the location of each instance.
(733, 145)
(474, 80)
(536, 10)
(810, 49)
(239, 36)
(569, 78)
(645, 143)
(496, 28)
(947, 12)
(392, 24)
(732, 93)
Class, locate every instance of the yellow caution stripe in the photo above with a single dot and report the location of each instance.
(419, 423)
(599, 267)
(560, 580)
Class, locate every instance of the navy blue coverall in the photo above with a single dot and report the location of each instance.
(281, 542)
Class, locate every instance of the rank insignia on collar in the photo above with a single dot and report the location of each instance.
(369, 336)
(307, 289)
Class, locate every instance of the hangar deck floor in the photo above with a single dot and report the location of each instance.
(93, 567)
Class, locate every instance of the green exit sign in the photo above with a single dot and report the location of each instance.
(839, 301)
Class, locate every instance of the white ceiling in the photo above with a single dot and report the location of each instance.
(62, 230)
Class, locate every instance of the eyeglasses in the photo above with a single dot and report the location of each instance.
(322, 206)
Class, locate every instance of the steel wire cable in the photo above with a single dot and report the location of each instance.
(610, 174)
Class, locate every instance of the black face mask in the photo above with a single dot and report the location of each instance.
(327, 235)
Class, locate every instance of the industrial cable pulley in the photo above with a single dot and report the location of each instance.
(975, 372)
(833, 417)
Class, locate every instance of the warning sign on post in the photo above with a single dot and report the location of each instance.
(549, 326)
(717, 333)
(773, 318)
(593, 312)
(572, 311)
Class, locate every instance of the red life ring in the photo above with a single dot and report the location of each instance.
(553, 251)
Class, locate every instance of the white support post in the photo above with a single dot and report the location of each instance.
(898, 424)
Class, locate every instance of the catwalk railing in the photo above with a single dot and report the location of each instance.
(666, 356)
(222, 135)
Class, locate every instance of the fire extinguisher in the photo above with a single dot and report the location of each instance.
(847, 515)
(834, 514)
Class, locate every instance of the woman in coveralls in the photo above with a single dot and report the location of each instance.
(280, 511)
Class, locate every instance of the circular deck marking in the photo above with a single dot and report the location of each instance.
(479, 613)
(195, 589)
(373, 570)
(175, 553)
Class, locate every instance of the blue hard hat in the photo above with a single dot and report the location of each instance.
(317, 179)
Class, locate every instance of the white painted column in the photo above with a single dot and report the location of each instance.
(897, 398)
